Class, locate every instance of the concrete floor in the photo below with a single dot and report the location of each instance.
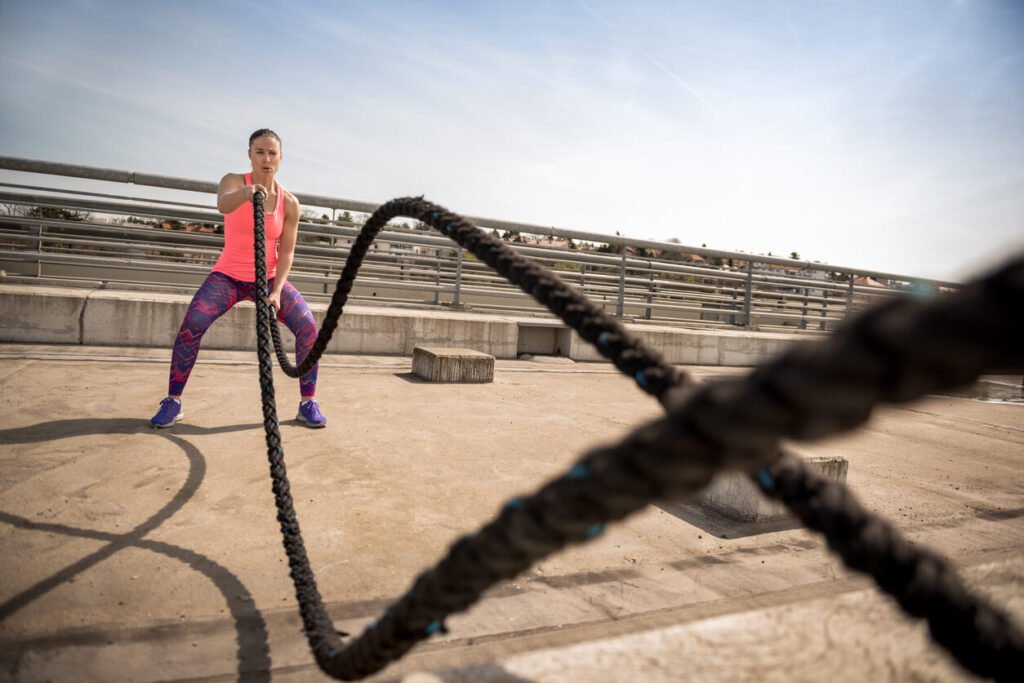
(145, 555)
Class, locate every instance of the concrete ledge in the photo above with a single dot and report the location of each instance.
(734, 495)
(452, 365)
(100, 317)
(697, 347)
(36, 314)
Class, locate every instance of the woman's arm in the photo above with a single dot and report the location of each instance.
(233, 192)
(286, 249)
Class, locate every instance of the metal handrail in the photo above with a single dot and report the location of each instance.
(660, 287)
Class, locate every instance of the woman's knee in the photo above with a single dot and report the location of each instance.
(196, 322)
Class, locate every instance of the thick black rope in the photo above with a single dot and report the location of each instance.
(925, 584)
(897, 352)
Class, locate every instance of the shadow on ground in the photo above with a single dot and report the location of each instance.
(250, 628)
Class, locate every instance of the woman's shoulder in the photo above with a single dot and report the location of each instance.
(290, 200)
(233, 180)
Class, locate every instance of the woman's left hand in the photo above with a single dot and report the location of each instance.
(275, 300)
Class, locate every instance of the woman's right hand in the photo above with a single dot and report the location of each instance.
(251, 191)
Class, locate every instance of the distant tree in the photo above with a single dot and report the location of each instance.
(572, 245)
(346, 217)
(57, 214)
(795, 255)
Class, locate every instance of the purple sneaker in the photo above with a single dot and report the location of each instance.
(309, 413)
(169, 413)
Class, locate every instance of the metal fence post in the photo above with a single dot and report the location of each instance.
(437, 280)
(849, 296)
(458, 280)
(748, 294)
(39, 250)
(620, 305)
(803, 311)
(824, 309)
(650, 295)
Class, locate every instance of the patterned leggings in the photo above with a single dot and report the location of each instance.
(215, 297)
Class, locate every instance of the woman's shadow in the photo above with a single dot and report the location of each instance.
(253, 652)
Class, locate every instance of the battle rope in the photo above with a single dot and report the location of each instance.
(897, 352)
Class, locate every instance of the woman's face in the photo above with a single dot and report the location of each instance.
(265, 155)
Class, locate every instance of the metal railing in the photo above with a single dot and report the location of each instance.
(51, 234)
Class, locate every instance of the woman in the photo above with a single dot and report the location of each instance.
(233, 277)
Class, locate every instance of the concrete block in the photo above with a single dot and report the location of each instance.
(452, 365)
(734, 495)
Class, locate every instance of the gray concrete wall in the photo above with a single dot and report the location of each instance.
(101, 317)
(697, 347)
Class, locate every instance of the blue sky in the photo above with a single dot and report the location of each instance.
(885, 135)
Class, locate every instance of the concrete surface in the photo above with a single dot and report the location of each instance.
(734, 495)
(134, 554)
(55, 315)
(435, 364)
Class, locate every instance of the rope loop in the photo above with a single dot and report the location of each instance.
(897, 352)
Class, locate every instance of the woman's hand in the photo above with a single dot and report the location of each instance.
(251, 191)
(275, 300)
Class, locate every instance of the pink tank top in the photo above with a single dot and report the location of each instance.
(238, 259)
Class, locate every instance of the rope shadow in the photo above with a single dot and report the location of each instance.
(250, 628)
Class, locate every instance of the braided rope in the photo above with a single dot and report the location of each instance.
(925, 584)
(897, 352)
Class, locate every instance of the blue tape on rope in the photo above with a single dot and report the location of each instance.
(603, 340)
(433, 627)
(641, 379)
(764, 477)
(578, 471)
(514, 503)
(595, 530)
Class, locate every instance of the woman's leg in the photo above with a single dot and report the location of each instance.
(296, 315)
(214, 298)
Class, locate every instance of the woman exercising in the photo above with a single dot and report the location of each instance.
(233, 277)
